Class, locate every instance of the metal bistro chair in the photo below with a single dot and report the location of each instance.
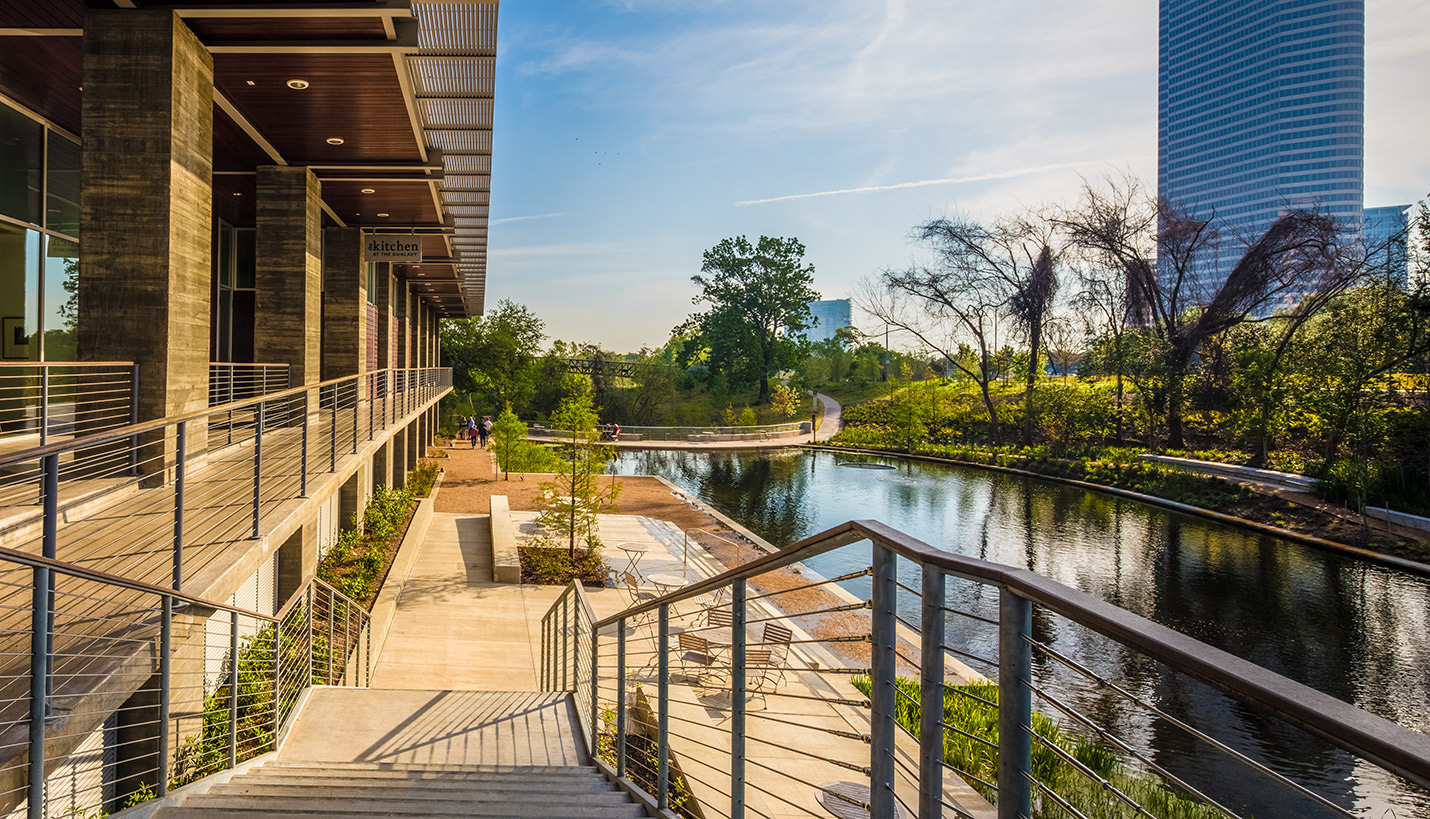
(776, 639)
(718, 617)
(638, 595)
(695, 651)
(760, 676)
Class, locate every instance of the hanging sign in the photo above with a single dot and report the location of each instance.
(389, 248)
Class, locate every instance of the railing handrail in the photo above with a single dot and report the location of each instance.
(142, 427)
(39, 561)
(1388, 744)
(48, 363)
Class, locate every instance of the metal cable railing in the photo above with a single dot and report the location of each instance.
(646, 433)
(954, 687)
(44, 401)
(164, 501)
(235, 381)
(114, 691)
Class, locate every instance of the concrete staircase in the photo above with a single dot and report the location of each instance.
(333, 789)
(409, 753)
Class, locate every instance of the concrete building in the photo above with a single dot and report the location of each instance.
(1261, 107)
(262, 206)
(828, 315)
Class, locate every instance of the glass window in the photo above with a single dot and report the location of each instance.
(61, 313)
(247, 259)
(22, 142)
(224, 262)
(372, 282)
(19, 293)
(62, 186)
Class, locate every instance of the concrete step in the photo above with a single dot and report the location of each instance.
(534, 806)
(473, 793)
(597, 784)
(578, 775)
(483, 770)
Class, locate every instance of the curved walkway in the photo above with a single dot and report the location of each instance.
(830, 423)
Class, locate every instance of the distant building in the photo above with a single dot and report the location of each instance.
(828, 316)
(1384, 232)
(1260, 108)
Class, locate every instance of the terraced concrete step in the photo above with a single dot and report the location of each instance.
(571, 785)
(534, 806)
(425, 776)
(524, 771)
(470, 794)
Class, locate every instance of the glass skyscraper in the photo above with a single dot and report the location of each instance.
(1261, 108)
(828, 315)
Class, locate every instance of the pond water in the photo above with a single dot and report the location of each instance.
(1353, 629)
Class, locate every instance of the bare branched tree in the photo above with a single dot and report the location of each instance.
(1167, 256)
(958, 299)
(1031, 306)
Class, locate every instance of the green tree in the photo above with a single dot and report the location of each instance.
(759, 307)
(494, 357)
(576, 495)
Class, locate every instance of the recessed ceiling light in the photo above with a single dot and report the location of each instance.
(417, 267)
(381, 215)
(250, 82)
(335, 140)
(368, 190)
(237, 193)
(296, 85)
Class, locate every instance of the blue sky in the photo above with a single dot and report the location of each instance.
(631, 136)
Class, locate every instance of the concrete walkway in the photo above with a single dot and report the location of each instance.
(830, 423)
(454, 627)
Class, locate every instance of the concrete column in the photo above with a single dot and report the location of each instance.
(414, 443)
(382, 465)
(344, 303)
(287, 327)
(352, 497)
(147, 205)
(383, 302)
(399, 448)
(400, 297)
(297, 560)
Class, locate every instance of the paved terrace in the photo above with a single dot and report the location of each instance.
(455, 629)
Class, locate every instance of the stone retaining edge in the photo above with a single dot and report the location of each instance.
(506, 560)
(384, 609)
(1401, 563)
(1400, 518)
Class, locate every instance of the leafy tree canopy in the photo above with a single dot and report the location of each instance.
(759, 307)
(493, 357)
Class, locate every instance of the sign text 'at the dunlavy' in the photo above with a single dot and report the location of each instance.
(393, 249)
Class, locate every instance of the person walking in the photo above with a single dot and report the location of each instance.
(472, 431)
(485, 430)
(461, 427)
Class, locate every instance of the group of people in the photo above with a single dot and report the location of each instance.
(470, 429)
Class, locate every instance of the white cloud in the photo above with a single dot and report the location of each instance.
(953, 180)
(509, 219)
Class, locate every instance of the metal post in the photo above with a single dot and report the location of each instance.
(166, 642)
(49, 547)
(277, 675)
(308, 604)
(232, 688)
(737, 701)
(303, 457)
(931, 696)
(257, 466)
(332, 432)
(662, 769)
(621, 698)
(39, 684)
(44, 404)
(181, 451)
(882, 727)
(1015, 706)
(565, 644)
(354, 423)
(595, 703)
(371, 404)
(330, 633)
(134, 417)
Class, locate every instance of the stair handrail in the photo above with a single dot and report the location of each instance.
(1387, 744)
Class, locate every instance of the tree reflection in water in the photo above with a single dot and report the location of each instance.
(1355, 630)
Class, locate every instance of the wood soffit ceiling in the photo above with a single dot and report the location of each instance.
(405, 84)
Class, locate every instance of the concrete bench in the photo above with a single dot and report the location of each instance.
(506, 561)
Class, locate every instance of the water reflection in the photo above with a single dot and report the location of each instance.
(1352, 629)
